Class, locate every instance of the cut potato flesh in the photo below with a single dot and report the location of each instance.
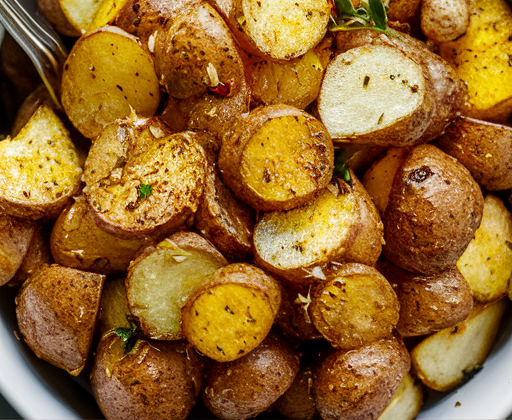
(106, 77)
(39, 169)
(407, 401)
(487, 262)
(444, 359)
(368, 89)
(80, 12)
(114, 311)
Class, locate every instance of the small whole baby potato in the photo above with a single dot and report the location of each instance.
(248, 386)
(277, 158)
(444, 20)
(148, 380)
(359, 384)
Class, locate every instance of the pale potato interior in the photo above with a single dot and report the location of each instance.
(305, 235)
(445, 358)
(369, 88)
(41, 164)
(487, 261)
(286, 28)
(407, 401)
(160, 285)
(80, 12)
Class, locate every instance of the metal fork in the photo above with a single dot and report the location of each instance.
(38, 39)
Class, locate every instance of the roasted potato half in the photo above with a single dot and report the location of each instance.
(163, 276)
(243, 388)
(114, 311)
(277, 158)
(56, 311)
(444, 21)
(107, 76)
(232, 313)
(407, 400)
(142, 182)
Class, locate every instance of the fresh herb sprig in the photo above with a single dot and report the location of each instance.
(145, 191)
(341, 170)
(127, 335)
(371, 14)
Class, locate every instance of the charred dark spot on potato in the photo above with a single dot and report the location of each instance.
(220, 350)
(366, 81)
(420, 174)
(228, 310)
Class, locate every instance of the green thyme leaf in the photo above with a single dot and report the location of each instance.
(378, 14)
(370, 15)
(345, 6)
(124, 333)
(128, 335)
(340, 167)
(145, 191)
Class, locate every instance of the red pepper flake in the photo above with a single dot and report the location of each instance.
(222, 89)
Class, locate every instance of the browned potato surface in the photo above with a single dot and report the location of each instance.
(56, 311)
(114, 311)
(151, 380)
(164, 276)
(359, 384)
(277, 158)
(402, 10)
(141, 181)
(482, 147)
(428, 303)
(354, 306)
(407, 400)
(444, 20)
(107, 76)
(248, 386)
(233, 313)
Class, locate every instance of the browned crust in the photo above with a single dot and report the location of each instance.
(52, 11)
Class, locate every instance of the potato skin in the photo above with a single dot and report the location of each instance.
(52, 10)
(428, 303)
(155, 380)
(434, 209)
(246, 387)
(359, 384)
(444, 20)
(402, 10)
(482, 147)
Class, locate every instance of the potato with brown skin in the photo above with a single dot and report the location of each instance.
(114, 311)
(164, 276)
(248, 386)
(434, 209)
(56, 311)
(428, 303)
(354, 306)
(402, 10)
(407, 400)
(77, 242)
(341, 225)
(277, 158)
(359, 384)
(53, 11)
(142, 182)
(231, 314)
(152, 379)
(444, 20)
(482, 147)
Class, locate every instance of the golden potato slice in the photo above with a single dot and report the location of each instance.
(56, 311)
(428, 303)
(107, 76)
(486, 264)
(231, 314)
(354, 306)
(359, 384)
(482, 58)
(151, 380)
(77, 242)
(482, 147)
(445, 359)
(39, 169)
(277, 158)
(407, 401)
(114, 311)
(15, 238)
(141, 181)
(375, 94)
(243, 388)
(163, 277)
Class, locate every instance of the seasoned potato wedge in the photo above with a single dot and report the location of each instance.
(486, 263)
(233, 313)
(107, 76)
(243, 388)
(376, 94)
(407, 401)
(114, 311)
(277, 158)
(148, 183)
(127, 382)
(39, 169)
(162, 278)
(354, 306)
(56, 311)
(428, 303)
(341, 225)
(77, 242)
(359, 384)
(482, 58)
(280, 30)
(444, 20)
(444, 359)
(482, 147)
